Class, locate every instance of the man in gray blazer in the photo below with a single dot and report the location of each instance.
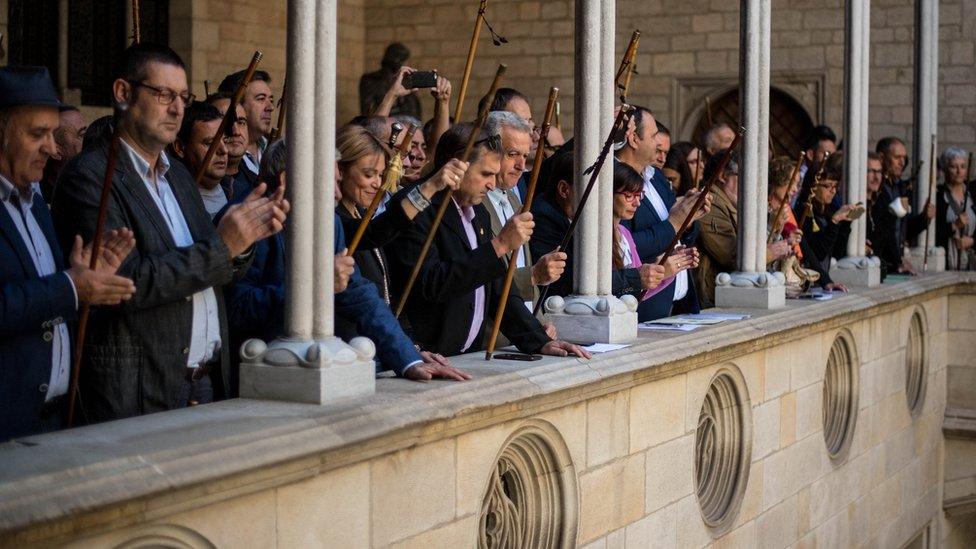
(504, 202)
(165, 346)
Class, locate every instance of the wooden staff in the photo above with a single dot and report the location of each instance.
(526, 206)
(708, 111)
(559, 127)
(230, 116)
(619, 126)
(96, 249)
(390, 176)
(482, 117)
(626, 69)
(700, 203)
(928, 201)
(206, 88)
(698, 165)
(280, 128)
(786, 198)
(136, 35)
(808, 206)
(478, 22)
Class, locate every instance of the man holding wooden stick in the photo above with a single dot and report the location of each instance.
(162, 349)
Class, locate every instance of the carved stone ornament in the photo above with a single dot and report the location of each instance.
(852, 263)
(723, 443)
(840, 390)
(750, 280)
(591, 305)
(531, 500)
(308, 354)
(915, 369)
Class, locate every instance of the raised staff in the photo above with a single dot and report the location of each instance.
(628, 66)
(280, 128)
(226, 123)
(619, 126)
(773, 228)
(472, 49)
(482, 117)
(808, 206)
(393, 172)
(526, 207)
(702, 197)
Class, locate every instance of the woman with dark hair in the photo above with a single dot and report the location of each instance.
(643, 280)
(685, 159)
(829, 226)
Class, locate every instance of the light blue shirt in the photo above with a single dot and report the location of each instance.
(205, 333)
(19, 208)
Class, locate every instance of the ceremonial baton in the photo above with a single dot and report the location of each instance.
(478, 22)
(526, 206)
(626, 69)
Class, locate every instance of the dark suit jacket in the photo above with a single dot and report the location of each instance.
(551, 224)
(441, 304)
(135, 354)
(652, 236)
(30, 307)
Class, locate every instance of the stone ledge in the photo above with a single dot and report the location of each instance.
(148, 467)
(959, 423)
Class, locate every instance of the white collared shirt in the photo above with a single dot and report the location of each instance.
(681, 280)
(498, 200)
(40, 252)
(205, 332)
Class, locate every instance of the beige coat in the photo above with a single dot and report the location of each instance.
(717, 244)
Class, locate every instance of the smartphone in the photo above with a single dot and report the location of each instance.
(420, 79)
(518, 356)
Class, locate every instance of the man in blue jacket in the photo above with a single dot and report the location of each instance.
(256, 302)
(38, 295)
(659, 215)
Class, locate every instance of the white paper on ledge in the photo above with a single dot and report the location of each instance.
(605, 347)
(668, 327)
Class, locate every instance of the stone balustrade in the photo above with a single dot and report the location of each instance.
(618, 449)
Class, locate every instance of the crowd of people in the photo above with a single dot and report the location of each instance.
(193, 258)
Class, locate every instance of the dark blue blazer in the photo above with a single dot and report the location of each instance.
(30, 307)
(652, 236)
(256, 305)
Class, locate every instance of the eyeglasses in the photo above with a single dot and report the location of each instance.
(166, 96)
(631, 196)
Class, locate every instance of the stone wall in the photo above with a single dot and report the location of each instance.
(616, 439)
(689, 50)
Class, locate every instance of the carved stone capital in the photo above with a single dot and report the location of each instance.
(752, 290)
(594, 319)
(750, 280)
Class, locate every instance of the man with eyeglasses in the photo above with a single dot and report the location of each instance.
(163, 348)
(456, 292)
(236, 142)
(660, 213)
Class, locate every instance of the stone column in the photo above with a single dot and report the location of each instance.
(855, 269)
(309, 364)
(594, 314)
(926, 118)
(751, 285)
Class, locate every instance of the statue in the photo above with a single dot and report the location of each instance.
(374, 85)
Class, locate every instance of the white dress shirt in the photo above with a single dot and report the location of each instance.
(681, 280)
(19, 208)
(498, 201)
(205, 333)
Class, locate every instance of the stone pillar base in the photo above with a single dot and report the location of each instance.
(937, 259)
(594, 319)
(750, 290)
(314, 372)
(859, 272)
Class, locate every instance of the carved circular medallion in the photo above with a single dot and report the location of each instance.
(840, 389)
(531, 498)
(723, 443)
(915, 364)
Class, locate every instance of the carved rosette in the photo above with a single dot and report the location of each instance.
(915, 370)
(722, 449)
(530, 501)
(840, 390)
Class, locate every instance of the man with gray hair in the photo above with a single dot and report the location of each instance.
(504, 201)
(718, 137)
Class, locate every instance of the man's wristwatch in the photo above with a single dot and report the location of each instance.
(418, 199)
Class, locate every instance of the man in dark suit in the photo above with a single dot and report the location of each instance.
(162, 349)
(455, 295)
(659, 215)
(38, 296)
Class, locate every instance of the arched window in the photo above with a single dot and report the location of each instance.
(789, 122)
